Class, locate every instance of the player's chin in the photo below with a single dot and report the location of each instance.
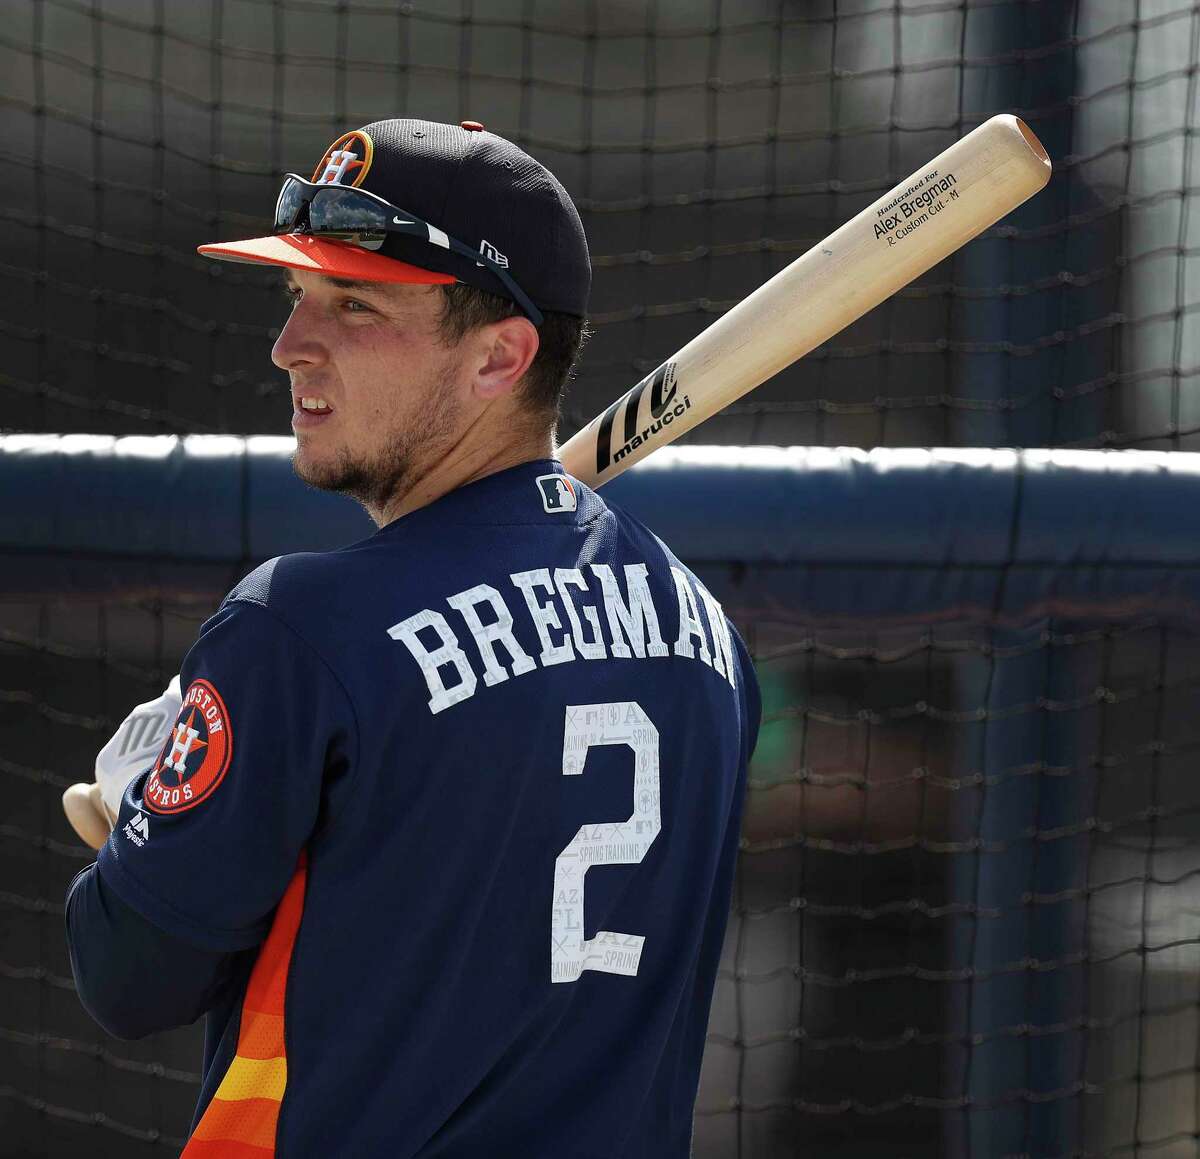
(323, 471)
(328, 469)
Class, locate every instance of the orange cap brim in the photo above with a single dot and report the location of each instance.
(335, 259)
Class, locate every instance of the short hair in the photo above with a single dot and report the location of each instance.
(560, 339)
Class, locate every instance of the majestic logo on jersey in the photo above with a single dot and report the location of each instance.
(347, 161)
(137, 829)
(196, 754)
(557, 493)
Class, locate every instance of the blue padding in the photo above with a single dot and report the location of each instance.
(813, 534)
(1128, 507)
(227, 499)
(218, 499)
(818, 505)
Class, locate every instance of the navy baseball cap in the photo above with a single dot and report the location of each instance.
(472, 191)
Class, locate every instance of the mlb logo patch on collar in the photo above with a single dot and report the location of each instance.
(558, 493)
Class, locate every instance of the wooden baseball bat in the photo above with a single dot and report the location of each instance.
(912, 227)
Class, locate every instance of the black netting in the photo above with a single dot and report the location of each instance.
(707, 145)
(964, 922)
(966, 912)
(965, 919)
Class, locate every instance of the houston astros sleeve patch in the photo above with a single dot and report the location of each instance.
(207, 838)
(196, 755)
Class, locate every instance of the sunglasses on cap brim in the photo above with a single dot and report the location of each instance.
(363, 219)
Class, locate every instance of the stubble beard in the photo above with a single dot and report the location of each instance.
(377, 480)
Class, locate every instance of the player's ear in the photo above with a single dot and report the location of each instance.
(504, 353)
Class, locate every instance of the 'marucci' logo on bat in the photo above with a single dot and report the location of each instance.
(664, 410)
(196, 756)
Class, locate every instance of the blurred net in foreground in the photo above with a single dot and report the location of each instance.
(707, 147)
(966, 916)
(965, 919)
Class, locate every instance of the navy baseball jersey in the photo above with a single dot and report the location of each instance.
(442, 841)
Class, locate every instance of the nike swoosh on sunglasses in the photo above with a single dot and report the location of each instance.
(364, 219)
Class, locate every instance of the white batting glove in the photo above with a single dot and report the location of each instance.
(134, 746)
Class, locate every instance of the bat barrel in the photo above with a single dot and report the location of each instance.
(908, 230)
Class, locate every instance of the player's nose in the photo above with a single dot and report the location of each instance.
(298, 345)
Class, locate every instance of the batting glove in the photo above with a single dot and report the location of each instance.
(135, 745)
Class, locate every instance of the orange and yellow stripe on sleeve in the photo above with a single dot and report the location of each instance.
(241, 1119)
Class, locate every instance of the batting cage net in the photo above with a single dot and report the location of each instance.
(706, 144)
(965, 919)
(965, 915)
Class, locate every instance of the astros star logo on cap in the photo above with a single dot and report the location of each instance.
(347, 161)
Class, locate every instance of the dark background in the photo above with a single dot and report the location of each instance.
(706, 144)
(964, 924)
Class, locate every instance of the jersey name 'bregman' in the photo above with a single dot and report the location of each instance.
(632, 621)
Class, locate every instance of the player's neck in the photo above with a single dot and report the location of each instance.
(479, 453)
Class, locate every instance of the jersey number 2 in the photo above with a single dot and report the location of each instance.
(620, 722)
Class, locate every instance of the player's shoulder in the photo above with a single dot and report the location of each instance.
(316, 598)
(289, 584)
(634, 537)
(641, 542)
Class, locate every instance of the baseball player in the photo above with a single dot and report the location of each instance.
(442, 827)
